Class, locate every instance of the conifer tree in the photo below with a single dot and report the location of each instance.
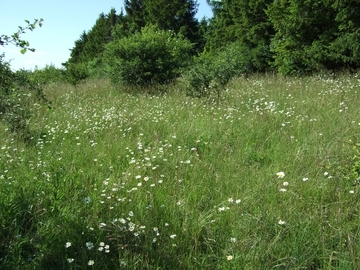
(135, 15)
(175, 15)
(91, 44)
(244, 22)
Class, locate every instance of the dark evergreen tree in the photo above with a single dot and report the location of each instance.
(245, 22)
(135, 15)
(76, 52)
(90, 45)
(345, 49)
(304, 30)
(176, 15)
(217, 34)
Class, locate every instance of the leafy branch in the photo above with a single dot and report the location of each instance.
(15, 38)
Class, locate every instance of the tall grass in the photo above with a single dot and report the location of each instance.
(260, 179)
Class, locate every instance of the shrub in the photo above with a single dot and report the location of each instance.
(151, 56)
(17, 94)
(76, 72)
(96, 68)
(48, 74)
(211, 73)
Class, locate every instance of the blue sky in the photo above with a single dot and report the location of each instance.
(64, 21)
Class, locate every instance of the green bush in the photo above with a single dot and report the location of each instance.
(151, 56)
(17, 94)
(6, 82)
(211, 73)
(76, 72)
(96, 68)
(48, 74)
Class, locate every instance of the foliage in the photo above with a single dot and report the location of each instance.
(76, 72)
(135, 16)
(15, 38)
(150, 57)
(243, 22)
(17, 92)
(211, 72)
(46, 75)
(349, 169)
(314, 35)
(89, 48)
(175, 15)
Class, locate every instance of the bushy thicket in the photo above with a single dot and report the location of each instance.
(18, 93)
(151, 56)
(48, 74)
(211, 72)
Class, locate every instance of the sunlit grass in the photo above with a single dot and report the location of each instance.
(256, 180)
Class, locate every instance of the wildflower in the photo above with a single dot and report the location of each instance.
(230, 200)
(102, 244)
(281, 222)
(305, 179)
(229, 258)
(70, 260)
(280, 174)
(89, 245)
(123, 221)
(91, 262)
(87, 200)
(282, 189)
(172, 236)
(238, 201)
(285, 184)
(131, 213)
(351, 191)
(326, 173)
(68, 244)
(123, 264)
(131, 226)
(232, 240)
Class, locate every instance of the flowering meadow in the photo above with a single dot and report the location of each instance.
(266, 177)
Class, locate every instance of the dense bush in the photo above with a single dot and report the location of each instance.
(17, 94)
(76, 72)
(151, 56)
(211, 73)
(96, 68)
(17, 91)
(48, 74)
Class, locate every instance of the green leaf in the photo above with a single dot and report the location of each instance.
(23, 51)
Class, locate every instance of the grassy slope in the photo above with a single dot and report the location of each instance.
(178, 183)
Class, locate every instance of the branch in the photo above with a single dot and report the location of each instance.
(15, 38)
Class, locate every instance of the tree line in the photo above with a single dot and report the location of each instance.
(289, 37)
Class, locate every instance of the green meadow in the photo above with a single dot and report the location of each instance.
(265, 177)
